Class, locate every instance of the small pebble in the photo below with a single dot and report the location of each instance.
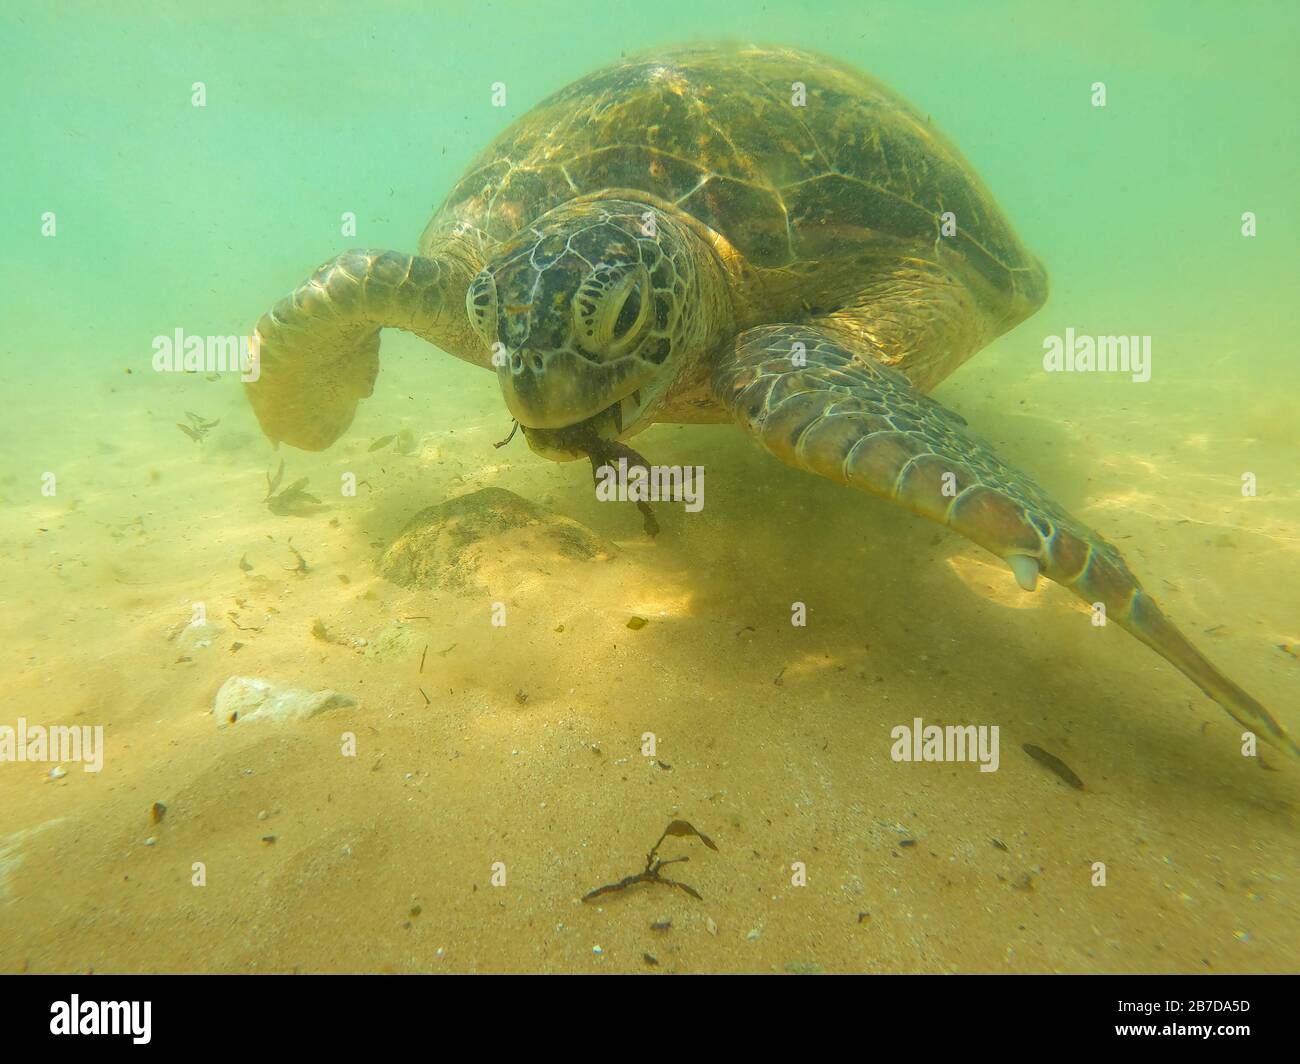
(58, 772)
(150, 841)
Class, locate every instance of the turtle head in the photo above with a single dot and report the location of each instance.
(590, 313)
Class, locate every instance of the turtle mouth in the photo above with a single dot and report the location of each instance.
(622, 413)
(581, 438)
(559, 388)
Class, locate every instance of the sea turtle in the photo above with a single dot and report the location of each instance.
(724, 233)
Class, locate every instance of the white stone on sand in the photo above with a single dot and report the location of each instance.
(243, 698)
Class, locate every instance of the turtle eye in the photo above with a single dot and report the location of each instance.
(611, 312)
(629, 315)
(481, 306)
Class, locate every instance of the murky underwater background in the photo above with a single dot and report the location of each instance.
(772, 740)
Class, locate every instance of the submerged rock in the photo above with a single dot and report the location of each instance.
(457, 544)
(244, 698)
(394, 642)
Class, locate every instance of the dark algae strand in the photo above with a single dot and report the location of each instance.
(651, 872)
(1055, 764)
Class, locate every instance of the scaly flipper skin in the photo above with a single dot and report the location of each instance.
(318, 348)
(855, 421)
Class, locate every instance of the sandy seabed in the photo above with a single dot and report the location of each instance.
(528, 756)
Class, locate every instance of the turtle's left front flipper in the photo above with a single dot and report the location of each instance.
(802, 394)
(318, 348)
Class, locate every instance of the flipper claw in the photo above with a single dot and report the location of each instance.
(1025, 570)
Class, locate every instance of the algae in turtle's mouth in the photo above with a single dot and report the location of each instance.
(588, 436)
(584, 440)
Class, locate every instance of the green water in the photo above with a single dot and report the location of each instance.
(128, 212)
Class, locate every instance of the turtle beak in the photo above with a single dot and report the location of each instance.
(555, 389)
(576, 440)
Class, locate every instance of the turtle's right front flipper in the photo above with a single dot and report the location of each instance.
(852, 420)
(318, 348)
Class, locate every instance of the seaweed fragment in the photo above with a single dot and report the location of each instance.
(514, 427)
(302, 566)
(651, 872)
(319, 631)
(291, 500)
(1054, 763)
(406, 442)
(234, 619)
(381, 443)
(274, 482)
(198, 426)
(604, 452)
